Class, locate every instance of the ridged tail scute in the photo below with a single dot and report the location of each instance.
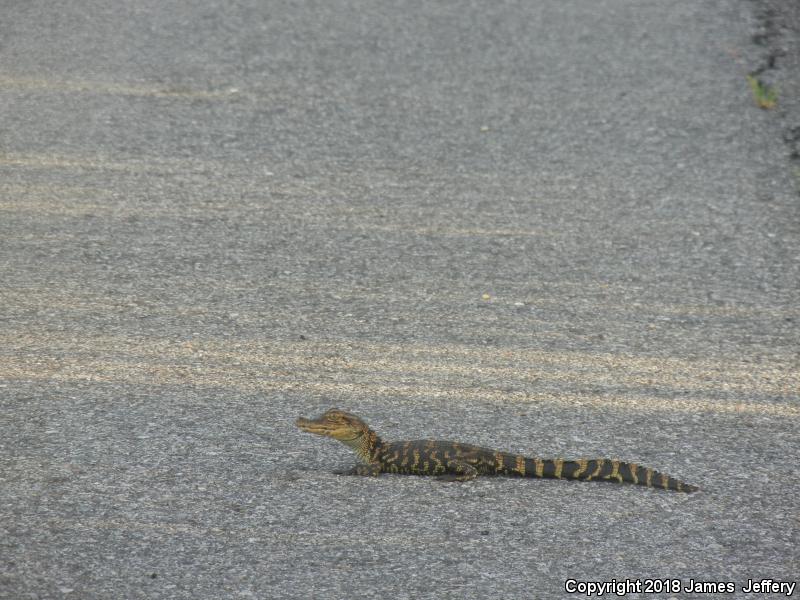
(600, 469)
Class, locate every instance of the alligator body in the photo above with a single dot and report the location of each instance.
(453, 461)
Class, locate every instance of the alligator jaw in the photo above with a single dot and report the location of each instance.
(342, 431)
(313, 426)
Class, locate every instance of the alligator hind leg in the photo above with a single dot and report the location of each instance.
(458, 471)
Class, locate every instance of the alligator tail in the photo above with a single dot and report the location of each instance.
(600, 469)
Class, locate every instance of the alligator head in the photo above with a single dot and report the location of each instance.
(335, 423)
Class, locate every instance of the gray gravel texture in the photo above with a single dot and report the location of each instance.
(557, 228)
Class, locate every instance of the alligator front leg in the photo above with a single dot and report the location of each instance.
(458, 471)
(371, 470)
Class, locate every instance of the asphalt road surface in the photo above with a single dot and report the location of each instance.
(555, 228)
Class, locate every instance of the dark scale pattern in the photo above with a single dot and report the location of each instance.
(454, 461)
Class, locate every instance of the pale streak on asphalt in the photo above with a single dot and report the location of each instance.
(413, 372)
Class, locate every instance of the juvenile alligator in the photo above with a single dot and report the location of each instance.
(452, 461)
